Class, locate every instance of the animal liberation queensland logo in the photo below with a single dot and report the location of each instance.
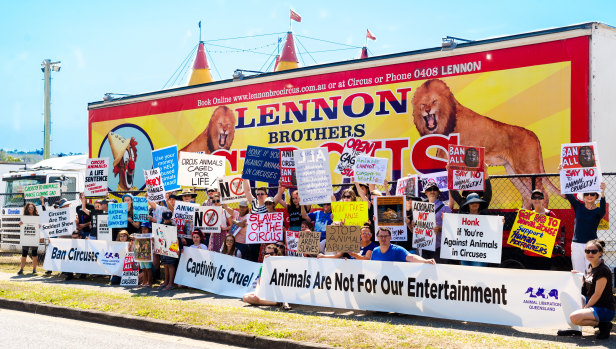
(542, 299)
(111, 258)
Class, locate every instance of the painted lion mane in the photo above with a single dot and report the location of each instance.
(218, 134)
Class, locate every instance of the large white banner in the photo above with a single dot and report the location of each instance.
(85, 256)
(58, 222)
(475, 238)
(510, 297)
(216, 272)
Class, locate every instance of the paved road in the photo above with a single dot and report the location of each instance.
(27, 330)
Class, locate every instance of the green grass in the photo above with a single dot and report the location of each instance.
(337, 331)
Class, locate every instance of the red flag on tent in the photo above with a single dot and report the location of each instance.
(369, 35)
(295, 16)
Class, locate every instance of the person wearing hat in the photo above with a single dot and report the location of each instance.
(433, 193)
(474, 205)
(587, 219)
(188, 195)
(460, 198)
(534, 260)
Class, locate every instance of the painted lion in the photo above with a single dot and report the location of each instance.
(218, 134)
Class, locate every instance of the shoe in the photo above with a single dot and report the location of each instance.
(569, 333)
(604, 330)
(34, 271)
(20, 272)
(48, 272)
(69, 277)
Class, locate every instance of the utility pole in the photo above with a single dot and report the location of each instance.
(47, 66)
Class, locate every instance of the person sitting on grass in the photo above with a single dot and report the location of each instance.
(251, 297)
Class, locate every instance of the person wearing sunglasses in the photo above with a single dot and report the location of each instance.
(598, 300)
(258, 202)
(432, 192)
(534, 260)
(587, 219)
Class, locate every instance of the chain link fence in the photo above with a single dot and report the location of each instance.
(506, 199)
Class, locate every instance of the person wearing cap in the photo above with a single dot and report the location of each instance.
(238, 228)
(433, 193)
(587, 219)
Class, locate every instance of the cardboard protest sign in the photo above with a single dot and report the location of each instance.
(130, 271)
(390, 212)
(166, 159)
(165, 240)
(45, 190)
(118, 215)
(264, 227)
(370, 170)
(287, 169)
(200, 170)
(154, 185)
(424, 220)
(262, 164)
(314, 181)
(353, 147)
(308, 242)
(208, 219)
(581, 172)
(350, 212)
(100, 225)
(29, 232)
(96, 177)
(140, 209)
(142, 246)
(466, 168)
(475, 238)
(85, 256)
(534, 232)
(58, 222)
(231, 189)
(343, 238)
(407, 186)
(292, 239)
(183, 216)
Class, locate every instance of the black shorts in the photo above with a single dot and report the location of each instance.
(24, 251)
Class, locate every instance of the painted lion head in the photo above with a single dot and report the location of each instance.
(221, 129)
(434, 108)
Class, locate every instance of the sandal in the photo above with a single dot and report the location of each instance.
(169, 288)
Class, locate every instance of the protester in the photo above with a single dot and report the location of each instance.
(320, 219)
(432, 192)
(147, 277)
(477, 206)
(587, 219)
(392, 253)
(188, 195)
(170, 263)
(132, 226)
(230, 248)
(197, 237)
(123, 236)
(62, 203)
(323, 253)
(293, 208)
(29, 210)
(216, 240)
(367, 245)
(598, 299)
(485, 195)
(534, 260)
(258, 203)
(83, 221)
(348, 195)
(252, 298)
(238, 229)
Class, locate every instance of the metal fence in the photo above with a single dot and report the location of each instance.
(506, 199)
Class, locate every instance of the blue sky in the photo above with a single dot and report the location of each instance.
(135, 46)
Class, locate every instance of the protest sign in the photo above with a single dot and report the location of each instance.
(471, 158)
(101, 227)
(29, 232)
(58, 222)
(166, 159)
(314, 181)
(581, 172)
(216, 272)
(534, 232)
(183, 216)
(287, 169)
(511, 297)
(424, 220)
(208, 218)
(118, 215)
(440, 178)
(231, 189)
(466, 168)
(140, 209)
(200, 170)
(343, 238)
(353, 147)
(407, 186)
(264, 227)
(154, 185)
(45, 190)
(474, 238)
(262, 164)
(308, 242)
(390, 212)
(292, 239)
(165, 240)
(85, 256)
(370, 170)
(97, 170)
(130, 271)
(350, 212)
(142, 246)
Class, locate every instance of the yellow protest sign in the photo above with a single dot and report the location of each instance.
(350, 212)
(534, 232)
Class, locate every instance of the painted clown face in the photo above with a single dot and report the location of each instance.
(124, 157)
